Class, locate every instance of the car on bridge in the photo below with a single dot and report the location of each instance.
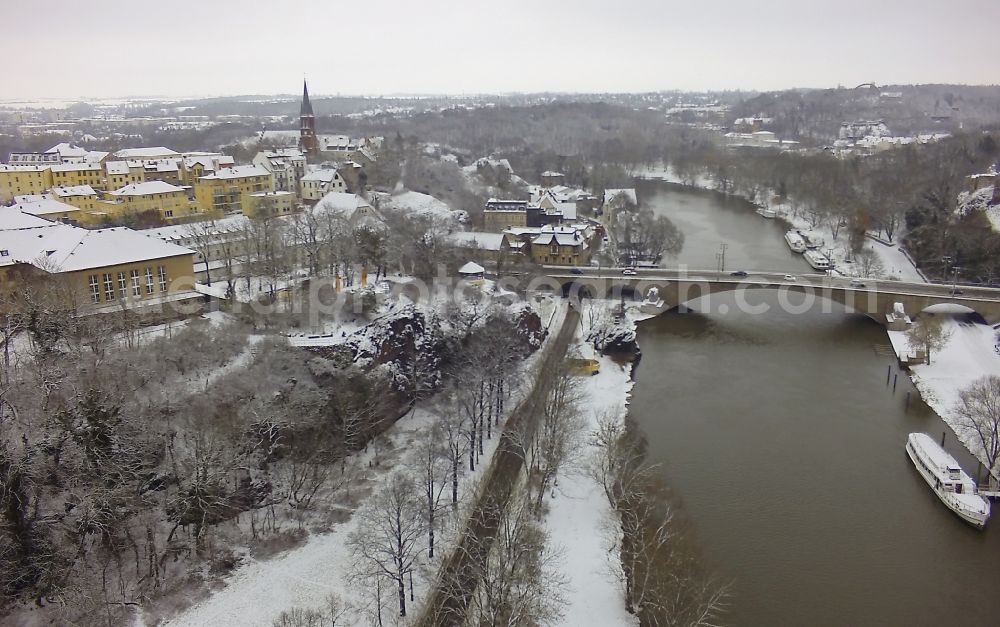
(576, 271)
(857, 283)
(791, 277)
(739, 273)
(629, 272)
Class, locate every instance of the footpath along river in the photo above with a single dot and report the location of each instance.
(784, 446)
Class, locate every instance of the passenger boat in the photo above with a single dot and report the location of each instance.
(795, 241)
(817, 260)
(950, 483)
(766, 213)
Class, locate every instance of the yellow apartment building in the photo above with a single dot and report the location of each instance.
(170, 201)
(75, 174)
(276, 203)
(18, 180)
(121, 173)
(229, 190)
(105, 268)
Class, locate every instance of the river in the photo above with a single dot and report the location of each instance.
(784, 445)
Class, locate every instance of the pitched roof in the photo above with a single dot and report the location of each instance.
(146, 153)
(236, 172)
(471, 268)
(73, 190)
(45, 207)
(13, 218)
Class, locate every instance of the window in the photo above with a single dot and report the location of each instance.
(95, 289)
(122, 285)
(136, 287)
(169, 213)
(162, 274)
(149, 280)
(109, 287)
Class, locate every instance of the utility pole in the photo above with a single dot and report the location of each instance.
(722, 256)
(954, 278)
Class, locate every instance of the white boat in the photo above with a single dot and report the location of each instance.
(795, 241)
(817, 260)
(950, 483)
(767, 213)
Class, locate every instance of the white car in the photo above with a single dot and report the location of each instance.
(629, 272)
(791, 277)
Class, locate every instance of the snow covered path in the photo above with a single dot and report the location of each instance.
(580, 518)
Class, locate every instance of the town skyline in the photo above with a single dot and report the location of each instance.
(391, 48)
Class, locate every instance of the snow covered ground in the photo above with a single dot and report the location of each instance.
(968, 355)
(259, 590)
(580, 519)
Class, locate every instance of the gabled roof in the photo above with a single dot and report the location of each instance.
(12, 218)
(74, 167)
(67, 150)
(45, 207)
(471, 268)
(325, 175)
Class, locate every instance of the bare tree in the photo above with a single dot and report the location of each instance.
(430, 459)
(869, 264)
(978, 410)
(388, 536)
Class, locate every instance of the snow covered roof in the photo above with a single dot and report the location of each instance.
(484, 241)
(76, 167)
(117, 167)
(563, 237)
(324, 175)
(26, 198)
(236, 172)
(551, 173)
(68, 248)
(73, 190)
(146, 153)
(147, 188)
(471, 268)
(45, 207)
(12, 218)
(67, 150)
(343, 203)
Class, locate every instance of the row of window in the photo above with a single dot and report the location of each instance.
(132, 283)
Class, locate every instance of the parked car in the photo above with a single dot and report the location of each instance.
(576, 271)
(791, 277)
(629, 272)
(857, 283)
(739, 273)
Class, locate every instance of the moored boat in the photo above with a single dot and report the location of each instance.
(795, 241)
(766, 213)
(950, 483)
(817, 260)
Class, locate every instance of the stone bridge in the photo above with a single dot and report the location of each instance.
(677, 287)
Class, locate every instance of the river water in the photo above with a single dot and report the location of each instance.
(784, 445)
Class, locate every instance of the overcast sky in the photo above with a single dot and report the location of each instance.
(108, 48)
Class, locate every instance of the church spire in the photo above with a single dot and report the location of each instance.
(307, 108)
(308, 142)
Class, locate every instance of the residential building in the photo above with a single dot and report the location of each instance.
(104, 268)
(228, 190)
(561, 245)
(76, 174)
(493, 247)
(504, 214)
(151, 153)
(169, 201)
(118, 174)
(83, 197)
(353, 208)
(16, 180)
(286, 165)
(44, 206)
(274, 203)
(195, 165)
(616, 200)
(319, 183)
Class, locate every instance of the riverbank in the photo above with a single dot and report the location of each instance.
(896, 264)
(968, 355)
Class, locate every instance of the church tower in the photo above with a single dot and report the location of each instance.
(307, 125)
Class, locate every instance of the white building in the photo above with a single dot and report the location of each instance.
(315, 185)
